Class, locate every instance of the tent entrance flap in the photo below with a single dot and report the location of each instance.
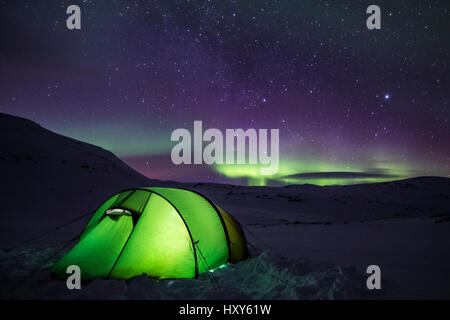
(97, 252)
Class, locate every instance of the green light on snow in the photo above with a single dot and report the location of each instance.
(219, 267)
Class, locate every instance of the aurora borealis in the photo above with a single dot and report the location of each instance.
(352, 105)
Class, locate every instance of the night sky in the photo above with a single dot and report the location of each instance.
(374, 104)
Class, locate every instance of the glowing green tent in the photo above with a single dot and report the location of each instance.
(162, 232)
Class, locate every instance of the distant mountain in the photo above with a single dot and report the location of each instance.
(47, 179)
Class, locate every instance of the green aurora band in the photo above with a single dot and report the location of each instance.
(290, 172)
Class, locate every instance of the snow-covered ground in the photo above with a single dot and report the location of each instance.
(307, 242)
(264, 276)
(402, 226)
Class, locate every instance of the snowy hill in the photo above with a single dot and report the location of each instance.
(308, 235)
(48, 179)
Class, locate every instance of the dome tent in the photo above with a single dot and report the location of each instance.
(163, 232)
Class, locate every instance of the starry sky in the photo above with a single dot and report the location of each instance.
(352, 105)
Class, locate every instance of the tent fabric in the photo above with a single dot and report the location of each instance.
(171, 233)
(238, 248)
(204, 224)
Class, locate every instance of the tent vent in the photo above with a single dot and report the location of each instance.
(118, 212)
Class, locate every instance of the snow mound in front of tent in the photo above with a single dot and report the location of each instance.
(266, 276)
